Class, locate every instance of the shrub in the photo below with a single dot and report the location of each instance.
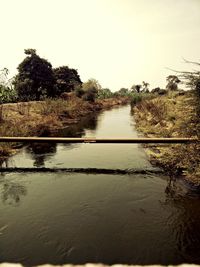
(136, 98)
(159, 91)
(7, 94)
(90, 94)
(104, 93)
(79, 91)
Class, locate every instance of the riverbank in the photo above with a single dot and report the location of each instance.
(171, 115)
(44, 118)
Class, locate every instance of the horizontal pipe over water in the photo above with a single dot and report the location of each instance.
(82, 170)
(98, 140)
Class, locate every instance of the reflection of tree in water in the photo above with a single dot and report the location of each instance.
(12, 192)
(90, 122)
(184, 220)
(40, 152)
(3, 162)
(78, 130)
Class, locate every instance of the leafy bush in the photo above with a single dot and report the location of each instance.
(79, 91)
(138, 97)
(104, 93)
(159, 91)
(91, 89)
(135, 98)
(7, 94)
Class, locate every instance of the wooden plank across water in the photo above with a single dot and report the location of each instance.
(98, 140)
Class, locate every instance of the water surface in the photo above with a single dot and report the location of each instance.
(77, 218)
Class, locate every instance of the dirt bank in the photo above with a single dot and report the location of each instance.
(171, 115)
(43, 118)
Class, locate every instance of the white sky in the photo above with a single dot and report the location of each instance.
(117, 42)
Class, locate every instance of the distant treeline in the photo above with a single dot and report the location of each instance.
(37, 80)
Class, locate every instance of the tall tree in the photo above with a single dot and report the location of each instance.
(172, 82)
(136, 88)
(35, 77)
(66, 79)
(145, 87)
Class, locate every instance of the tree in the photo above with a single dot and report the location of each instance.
(91, 89)
(66, 79)
(123, 91)
(35, 77)
(136, 88)
(158, 91)
(172, 82)
(145, 87)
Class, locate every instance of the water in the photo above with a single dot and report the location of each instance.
(110, 218)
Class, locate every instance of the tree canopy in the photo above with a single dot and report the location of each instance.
(172, 82)
(66, 79)
(136, 88)
(35, 78)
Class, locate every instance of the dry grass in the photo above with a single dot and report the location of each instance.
(43, 117)
(172, 115)
(156, 109)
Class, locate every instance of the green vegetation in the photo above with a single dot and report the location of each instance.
(105, 93)
(7, 92)
(90, 89)
(35, 78)
(66, 80)
(172, 83)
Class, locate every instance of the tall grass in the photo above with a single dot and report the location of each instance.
(139, 97)
(156, 108)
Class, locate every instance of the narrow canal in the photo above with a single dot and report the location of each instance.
(109, 218)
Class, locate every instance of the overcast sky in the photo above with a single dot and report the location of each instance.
(117, 42)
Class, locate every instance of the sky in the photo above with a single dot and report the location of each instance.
(117, 42)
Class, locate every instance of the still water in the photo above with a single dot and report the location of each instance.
(110, 218)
